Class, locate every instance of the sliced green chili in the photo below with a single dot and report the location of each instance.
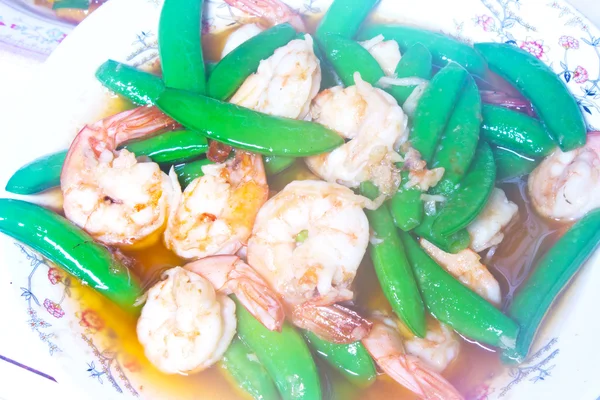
(344, 17)
(452, 303)
(550, 97)
(406, 206)
(141, 88)
(169, 147)
(247, 129)
(69, 247)
(415, 62)
(41, 174)
(510, 165)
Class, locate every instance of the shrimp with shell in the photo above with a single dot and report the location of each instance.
(116, 198)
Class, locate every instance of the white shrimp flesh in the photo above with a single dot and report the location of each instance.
(438, 348)
(385, 52)
(239, 36)
(273, 12)
(487, 229)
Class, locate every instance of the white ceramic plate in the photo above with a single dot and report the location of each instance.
(66, 96)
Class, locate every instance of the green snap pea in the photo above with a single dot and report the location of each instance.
(454, 304)
(235, 67)
(67, 246)
(435, 108)
(443, 48)
(344, 17)
(41, 174)
(510, 165)
(549, 278)
(515, 131)
(285, 356)
(242, 365)
(450, 244)
(169, 147)
(139, 87)
(466, 202)
(392, 268)
(549, 95)
(277, 164)
(415, 62)
(186, 173)
(351, 360)
(329, 77)
(459, 141)
(247, 129)
(180, 46)
(77, 4)
(406, 205)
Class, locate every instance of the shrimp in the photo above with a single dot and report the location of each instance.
(384, 343)
(565, 186)
(285, 83)
(385, 52)
(188, 321)
(215, 213)
(466, 267)
(307, 243)
(375, 125)
(108, 193)
(486, 230)
(274, 12)
(438, 348)
(239, 36)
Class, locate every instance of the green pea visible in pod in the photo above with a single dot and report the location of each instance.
(137, 86)
(510, 165)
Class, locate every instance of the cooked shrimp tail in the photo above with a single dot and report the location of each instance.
(230, 275)
(272, 11)
(385, 346)
(334, 323)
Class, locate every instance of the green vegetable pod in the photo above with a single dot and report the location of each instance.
(466, 202)
(351, 360)
(435, 108)
(515, 131)
(549, 278)
(449, 243)
(285, 355)
(549, 95)
(458, 143)
(344, 17)
(443, 48)
(181, 145)
(187, 172)
(392, 268)
(277, 164)
(39, 175)
(510, 165)
(415, 62)
(67, 246)
(139, 87)
(452, 303)
(242, 365)
(235, 67)
(406, 206)
(243, 128)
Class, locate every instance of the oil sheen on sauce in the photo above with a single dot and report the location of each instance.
(525, 240)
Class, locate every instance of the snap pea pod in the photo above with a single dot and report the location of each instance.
(235, 67)
(459, 141)
(406, 206)
(415, 62)
(241, 364)
(41, 174)
(450, 244)
(466, 202)
(549, 278)
(510, 165)
(141, 88)
(285, 356)
(187, 172)
(77, 4)
(179, 45)
(277, 164)
(452, 303)
(344, 17)
(392, 268)
(515, 131)
(351, 360)
(69, 247)
(435, 108)
(444, 49)
(169, 147)
(549, 95)
(247, 129)
(329, 77)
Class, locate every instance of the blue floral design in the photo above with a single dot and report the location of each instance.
(94, 373)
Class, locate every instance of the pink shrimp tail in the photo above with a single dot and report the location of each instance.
(333, 323)
(385, 346)
(274, 11)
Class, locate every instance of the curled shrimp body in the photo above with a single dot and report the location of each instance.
(374, 125)
(108, 193)
(308, 242)
(486, 230)
(565, 186)
(438, 348)
(215, 213)
(385, 52)
(272, 11)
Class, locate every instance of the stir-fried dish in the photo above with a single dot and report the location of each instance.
(370, 206)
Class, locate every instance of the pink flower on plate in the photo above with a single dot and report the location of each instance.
(55, 276)
(568, 42)
(54, 308)
(534, 47)
(486, 22)
(580, 75)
